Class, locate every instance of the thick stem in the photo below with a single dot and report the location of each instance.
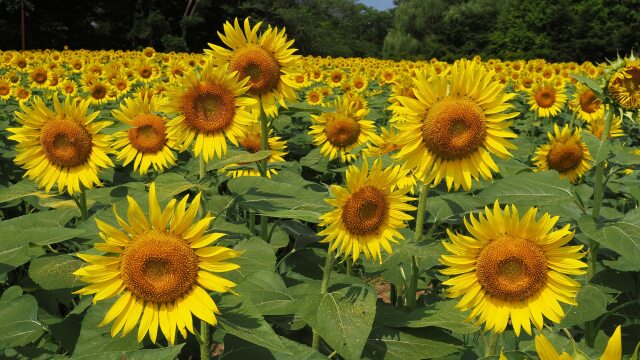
(415, 270)
(264, 132)
(326, 274)
(205, 344)
(82, 204)
(252, 221)
(493, 344)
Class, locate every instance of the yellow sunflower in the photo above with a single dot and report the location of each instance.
(512, 268)
(146, 141)
(5, 88)
(251, 141)
(161, 267)
(367, 212)
(68, 87)
(596, 126)
(62, 146)
(268, 60)
(624, 85)
(342, 130)
(586, 104)
(454, 125)
(546, 98)
(209, 107)
(314, 97)
(613, 351)
(566, 153)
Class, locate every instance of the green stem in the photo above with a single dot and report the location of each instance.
(493, 344)
(349, 266)
(326, 274)
(203, 167)
(415, 270)
(82, 204)
(252, 221)
(205, 344)
(264, 132)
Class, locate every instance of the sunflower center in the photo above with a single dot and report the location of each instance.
(66, 143)
(454, 127)
(342, 130)
(159, 267)
(511, 268)
(314, 97)
(148, 133)
(4, 89)
(565, 156)
(259, 65)
(545, 97)
(145, 72)
(209, 108)
(39, 76)
(251, 143)
(589, 102)
(365, 211)
(99, 92)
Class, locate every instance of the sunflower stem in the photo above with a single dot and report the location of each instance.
(252, 221)
(82, 204)
(203, 168)
(349, 266)
(415, 270)
(493, 344)
(326, 274)
(205, 345)
(264, 132)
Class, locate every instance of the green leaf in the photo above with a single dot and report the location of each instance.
(167, 353)
(393, 344)
(20, 324)
(600, 150)
(239, 317)
(238, 349)
(591, 304)
(442, 314)
(344, 318)
(257, 255)
(591, 84)
(622, 237)
(168, 185)
(445, 207)
(55, 272)
(529, 189)
(20, 190)
(268, 293)
(242, 157)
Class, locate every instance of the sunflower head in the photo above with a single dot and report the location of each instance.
(512, 268)
(546, 98)
(566, 153)
(160, 267)
(586, 104)
(624, 85)
(367, 212)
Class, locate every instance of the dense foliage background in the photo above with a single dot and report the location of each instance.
(562, 30)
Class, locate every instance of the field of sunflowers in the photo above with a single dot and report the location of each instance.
(251, 203)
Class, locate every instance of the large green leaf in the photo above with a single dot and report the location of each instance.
(168, 185)
(529, 189)
(20, 190)
(393, 344)
(445, 208)
(600, 150)
(20, 324)
(239, 157)
(343, 318)
(238, 349)
(55, 272)
(622, 237)
(167, 353)
(442, 314)
(257, 255)
(591, 304)
(268, 293)
(240, 317)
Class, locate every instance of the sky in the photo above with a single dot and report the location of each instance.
(379, 4)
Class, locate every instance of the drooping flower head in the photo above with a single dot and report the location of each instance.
(624, 85)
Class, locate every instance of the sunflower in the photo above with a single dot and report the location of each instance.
(566, 153)
(98, 91)
(146, 141)
(342, 130)
(367, 212)
(22, 94)
(209, 106)
(314, 97)
(624, 85)
(161, 268)
(68, 87)
(546, 98)
(596, 126)
(512, 268)
(586, 104)
(454, 125)
(62, 146)
(359, 83)
(267, 60)
(335, 78)
(38, 76)
(546, 351)
(251, 141)
(5, 88)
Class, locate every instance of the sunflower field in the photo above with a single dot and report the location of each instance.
(251, 203)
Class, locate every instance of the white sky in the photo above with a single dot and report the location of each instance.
(378, 4)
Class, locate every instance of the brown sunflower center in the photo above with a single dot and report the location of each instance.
(365, 211)
(39, 76)
(336, 77)
(148, 133)
(66, 143)
(252, 143)
(342, 130)
(454, 127)
(589, 102)
(209, 108)
(565, 156)
(314, 97)
(511, 268)
(545, 97)
(4, 89)
(145, 72)
(259, 65)
(159, 267)
(99, 92)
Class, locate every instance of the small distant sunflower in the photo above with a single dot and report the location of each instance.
(268, 60)
(359, 83)
(546, 351)
(454, 125)
(546, 98)
(367, 212)
(342, 130)
(624, 85)
(512, 268)
(586, 104)
(68, 87)
(596, 126)
(98, 92)
(62, 146)
(146, 71)
(314, 97)
(251, 141)
(161, 267)
(384, 144)
(146, 141)
(38, 76)
(121, 84)
(335, 78)
(566, 153)
(22, 94)
(5, 88)
(210, 107)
